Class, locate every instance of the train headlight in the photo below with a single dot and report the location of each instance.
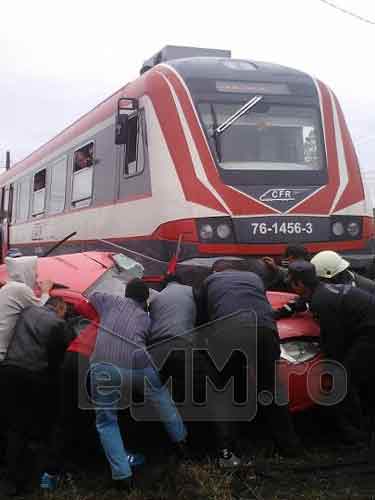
(206, 232)
(353, 229)
(338, 228)
(223, 231)
(215, 230)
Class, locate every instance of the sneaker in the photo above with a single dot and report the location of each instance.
(227, 459)
(49, 481)
(136, 459)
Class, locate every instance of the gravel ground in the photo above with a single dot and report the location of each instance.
(329, 472)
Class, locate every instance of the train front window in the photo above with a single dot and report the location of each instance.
(269, 137)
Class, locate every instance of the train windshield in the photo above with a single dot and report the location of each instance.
(269, 137)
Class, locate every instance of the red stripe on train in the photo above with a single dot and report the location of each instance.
(322, 201)
(279, 249)
(353, 193)
(238, 203)
(158, 90)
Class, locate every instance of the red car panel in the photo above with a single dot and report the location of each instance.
(75, 271)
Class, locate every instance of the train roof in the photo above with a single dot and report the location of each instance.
(198, 62)
(218, 68)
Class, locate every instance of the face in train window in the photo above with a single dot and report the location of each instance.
(84, 157)
(83, 162)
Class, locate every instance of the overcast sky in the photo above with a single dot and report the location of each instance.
(58, 58)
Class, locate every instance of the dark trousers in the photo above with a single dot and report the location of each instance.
(73, 425)
(28, 409)
(240, 359)
(255, 353)
(359, 363)
(276, 415)
(190, 373)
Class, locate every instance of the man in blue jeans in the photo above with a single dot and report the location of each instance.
(121, 365)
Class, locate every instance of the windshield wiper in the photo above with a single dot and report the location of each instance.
(245, 108)
(58, 244)
(215, 135)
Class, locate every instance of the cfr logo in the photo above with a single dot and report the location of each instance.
(281, 194)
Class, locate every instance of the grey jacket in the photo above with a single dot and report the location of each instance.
(172, 312)
(16, 295)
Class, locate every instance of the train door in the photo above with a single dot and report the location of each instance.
(132, 158)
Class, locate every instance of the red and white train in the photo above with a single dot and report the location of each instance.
(235, 157)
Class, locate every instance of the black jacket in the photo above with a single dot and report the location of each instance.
(40, 340)
(227, 292)
(300, 305)
(279, 280)
(345, 314)
(362, 282)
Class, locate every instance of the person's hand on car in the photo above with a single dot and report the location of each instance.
(270, 262)
(46, 286)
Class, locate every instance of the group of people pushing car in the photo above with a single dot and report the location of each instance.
(218, 343)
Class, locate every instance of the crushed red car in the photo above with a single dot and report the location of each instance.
(77, 275)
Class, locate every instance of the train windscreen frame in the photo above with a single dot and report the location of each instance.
(281, 138)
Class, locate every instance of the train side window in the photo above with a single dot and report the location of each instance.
(136, 144)
(83, 161)
(23, 200)
(56, 202)
(39, 192)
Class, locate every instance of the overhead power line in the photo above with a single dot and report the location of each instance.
(348, 12)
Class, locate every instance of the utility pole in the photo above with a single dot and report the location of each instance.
(7, 160)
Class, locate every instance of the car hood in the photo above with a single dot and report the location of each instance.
(299, 325)
(77, 272)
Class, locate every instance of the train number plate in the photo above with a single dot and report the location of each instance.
(281, 228)
(273, 229)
